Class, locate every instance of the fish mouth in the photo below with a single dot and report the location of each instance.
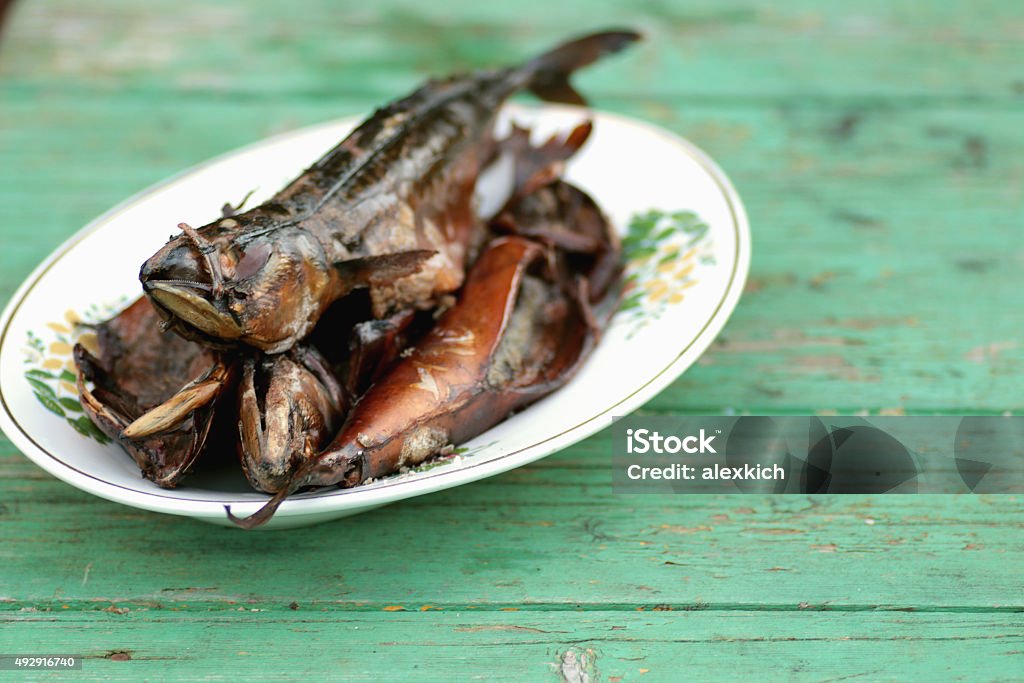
(193, 308)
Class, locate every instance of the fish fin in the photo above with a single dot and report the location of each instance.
(263, 515)
(230, 210)
(172, 412)
(372, 270)
(540, 165)
(108, 420)
(549, 73)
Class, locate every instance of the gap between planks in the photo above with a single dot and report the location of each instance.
(9, 607)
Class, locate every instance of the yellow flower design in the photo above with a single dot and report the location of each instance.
(663, 251)
(51, 371)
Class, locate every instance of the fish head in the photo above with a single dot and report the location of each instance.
(289, 406)
(262, 289)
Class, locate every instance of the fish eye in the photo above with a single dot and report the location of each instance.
(253, 260)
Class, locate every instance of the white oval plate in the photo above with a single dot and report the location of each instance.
(688, 262)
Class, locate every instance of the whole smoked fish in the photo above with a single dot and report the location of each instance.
(390, 209)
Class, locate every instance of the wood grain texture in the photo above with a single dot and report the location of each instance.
(605, 645)
(877, 147)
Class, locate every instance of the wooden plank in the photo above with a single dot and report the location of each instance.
(877, 148)
(547, 535)
(960, 50)
(300, 644)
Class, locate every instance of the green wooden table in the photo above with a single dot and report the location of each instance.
(878, 148)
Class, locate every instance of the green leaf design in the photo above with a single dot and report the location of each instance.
(661, 235)
(45, 385)
(632, 241)
(642, 252)
(71, 404)
(632, 301)
(461, 450)
(84, 426)
(50, 403)
(630, 305)
(95, 431)
(41, 387)
(642, 226)
(698, 234)
(79, 428)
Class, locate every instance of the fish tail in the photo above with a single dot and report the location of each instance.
(549, 73)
